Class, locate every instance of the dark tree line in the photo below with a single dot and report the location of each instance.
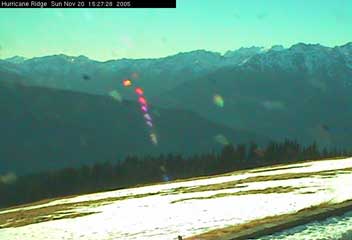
(141, 170)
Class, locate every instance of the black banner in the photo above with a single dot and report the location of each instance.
(88, 4)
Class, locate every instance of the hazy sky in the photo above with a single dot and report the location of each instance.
(216, 25)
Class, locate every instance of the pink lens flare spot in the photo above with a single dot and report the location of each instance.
(139, 91)
(144, 108)
(142, 101)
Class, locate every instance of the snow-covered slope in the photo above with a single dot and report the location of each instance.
(192, 207)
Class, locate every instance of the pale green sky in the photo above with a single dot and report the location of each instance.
(216, 25)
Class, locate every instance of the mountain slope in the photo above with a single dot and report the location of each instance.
(303, 92)
(45, 129)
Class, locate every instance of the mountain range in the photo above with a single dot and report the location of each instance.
(302, 92)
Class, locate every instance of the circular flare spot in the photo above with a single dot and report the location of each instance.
(127, 83)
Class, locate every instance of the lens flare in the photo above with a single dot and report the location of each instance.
(115, 95)
(143, 105)
(139, 91)
(127, 83)
(135, 75)
(221, 139)
(166, 178)
(148, 117)
(144, 108)
(149, 123)
(142, 101)
(154, 138)
(218, 100)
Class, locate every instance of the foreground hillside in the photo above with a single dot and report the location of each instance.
(186, 208)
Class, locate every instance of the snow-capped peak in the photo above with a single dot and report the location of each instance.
(346, 49)
(277, 48)
(299, 57)
(304, 47)
(16, 59)
(244, 51)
